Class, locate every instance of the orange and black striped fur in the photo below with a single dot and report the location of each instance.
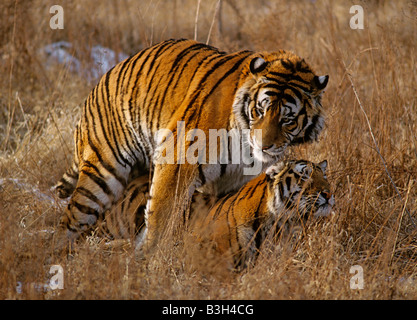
(237, 224)
(126, 218)
(276, 201)
(195, 84)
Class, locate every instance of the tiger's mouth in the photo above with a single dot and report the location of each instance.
(324, 206)
(267, 154)
(316, 205)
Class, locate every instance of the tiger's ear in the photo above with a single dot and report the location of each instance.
(323, 166)
(257, 65)
(273, 170)
(320, 82)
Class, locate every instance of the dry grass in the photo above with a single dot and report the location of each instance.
(372, 225)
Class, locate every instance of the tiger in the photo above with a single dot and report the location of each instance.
(137, 106)
(126, 219)
(276, 202)
(236, 225)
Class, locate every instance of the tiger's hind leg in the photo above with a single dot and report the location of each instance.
(98, 187)
(169, 196)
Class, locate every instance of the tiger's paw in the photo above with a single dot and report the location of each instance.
(63, 191)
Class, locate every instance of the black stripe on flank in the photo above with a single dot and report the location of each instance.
(102, 125)
(175, 66)
(132, 68)
(161, 50)
(106, 166)
(98, 181)
(113, 117)
(142, 150)
(152, 89)
(119, 102)
(92, 166)
(85, 209)
(119, 133)
(206, 60)
(88, 194)
(137, 75)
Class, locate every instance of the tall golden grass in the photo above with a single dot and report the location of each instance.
(372, 165)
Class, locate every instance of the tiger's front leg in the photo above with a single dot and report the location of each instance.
(170, 194)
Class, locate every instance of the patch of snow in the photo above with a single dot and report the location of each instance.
(63, 53)
(30, 188)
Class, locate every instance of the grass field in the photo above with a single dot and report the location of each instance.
(370, 142)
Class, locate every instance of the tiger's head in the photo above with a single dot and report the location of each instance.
(279, 94)
(299, 186)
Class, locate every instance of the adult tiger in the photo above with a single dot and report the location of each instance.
(183, 81)
(278, 201)
(238, 224)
